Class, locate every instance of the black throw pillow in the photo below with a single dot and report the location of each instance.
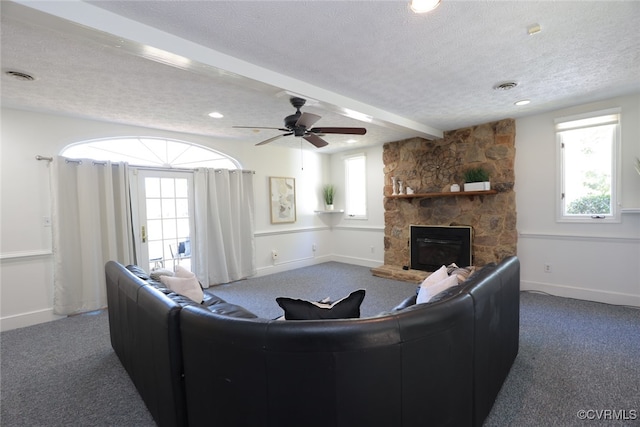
(346, 308)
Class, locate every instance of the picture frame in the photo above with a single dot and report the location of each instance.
(282, 199)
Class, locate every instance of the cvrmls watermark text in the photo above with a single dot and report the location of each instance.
(608, 414)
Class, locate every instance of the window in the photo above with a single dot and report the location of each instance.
(588, 148)
(356, 186)
(156, 152)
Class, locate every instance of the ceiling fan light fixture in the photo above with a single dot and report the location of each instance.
(19, 75)
(424, 6)
(505, 86)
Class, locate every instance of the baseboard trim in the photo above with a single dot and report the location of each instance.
(291, 265)
(363, 262)
(607, 297)
(28, 319)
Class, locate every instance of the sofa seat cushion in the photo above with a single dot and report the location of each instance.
(345, 308)
(211, 299)
(231, 310)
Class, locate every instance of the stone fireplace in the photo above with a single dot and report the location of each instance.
(429, 168)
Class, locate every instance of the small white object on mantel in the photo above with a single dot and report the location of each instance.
(455, 188)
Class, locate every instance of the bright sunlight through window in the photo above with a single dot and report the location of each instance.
(155, 152)
(588, 147)
(356, 186)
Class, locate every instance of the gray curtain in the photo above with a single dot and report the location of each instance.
(92, 225)
(224, 222)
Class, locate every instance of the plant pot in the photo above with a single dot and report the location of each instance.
(477, 186)
(328, 207)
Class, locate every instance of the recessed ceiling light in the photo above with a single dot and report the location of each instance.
(522, 102)
(534, 29)
(216, 115)
(423, 6)
(351, 141)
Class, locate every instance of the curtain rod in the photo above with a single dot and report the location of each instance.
(96, 162)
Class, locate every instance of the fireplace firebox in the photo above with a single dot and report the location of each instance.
(434, 246)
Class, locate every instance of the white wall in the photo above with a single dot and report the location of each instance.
(599, 262)
(26, 262)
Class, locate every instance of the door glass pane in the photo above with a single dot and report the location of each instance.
(169, 229)
(168, 222)
(168, 208)
(168, 187)
(183, 228)
(152, 187)
(182, 208)
(182, 188)
(154, 229)
(153, 209)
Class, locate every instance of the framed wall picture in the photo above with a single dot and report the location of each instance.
(283, 199)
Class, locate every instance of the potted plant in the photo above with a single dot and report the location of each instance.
(476, 179)
(328, 193)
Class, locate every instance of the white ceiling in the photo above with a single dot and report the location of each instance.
(166, 64)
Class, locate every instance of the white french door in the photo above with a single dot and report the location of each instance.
(164, 219)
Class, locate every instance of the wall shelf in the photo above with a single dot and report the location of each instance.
(330, 212)
(443, 194)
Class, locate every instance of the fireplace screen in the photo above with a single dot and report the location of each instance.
(434, 246)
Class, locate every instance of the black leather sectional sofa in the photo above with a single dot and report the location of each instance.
(215, 363)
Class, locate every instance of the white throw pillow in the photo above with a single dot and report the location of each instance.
(435, 277)
(427, 292)
(187, 286)
(183, 272)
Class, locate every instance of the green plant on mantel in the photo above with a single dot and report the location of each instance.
(476, 175)
(328, 193)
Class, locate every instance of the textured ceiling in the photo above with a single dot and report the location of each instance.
(412, 74)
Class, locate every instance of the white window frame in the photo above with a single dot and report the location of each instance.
(348, 199)
(581, 121)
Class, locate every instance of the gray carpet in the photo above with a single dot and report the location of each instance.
(574, 355)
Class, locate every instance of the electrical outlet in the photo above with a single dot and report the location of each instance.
(274, 254)
(46, 221)
(547, 268)
(314, 247)
(373, 249)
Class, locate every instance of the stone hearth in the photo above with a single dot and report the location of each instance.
(432, 166)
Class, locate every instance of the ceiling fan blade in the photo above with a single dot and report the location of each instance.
(316, 140)
(346, 131)
(307, 120)
(266, 141)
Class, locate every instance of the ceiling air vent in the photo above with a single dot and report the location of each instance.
(18, 75)
(505, 86)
